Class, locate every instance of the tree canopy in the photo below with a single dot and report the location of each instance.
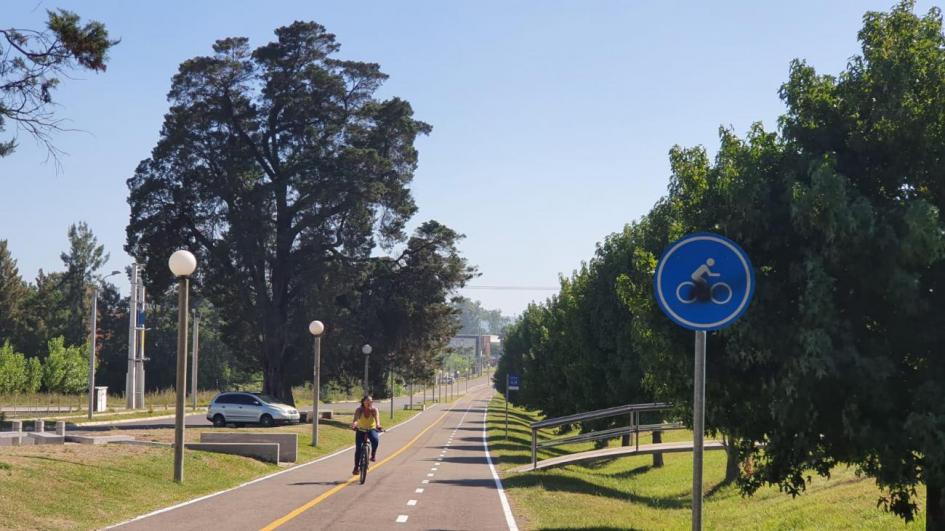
(31, 65)
(284, 173)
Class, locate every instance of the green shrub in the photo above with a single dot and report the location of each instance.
(66, 369)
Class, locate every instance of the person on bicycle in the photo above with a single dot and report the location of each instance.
(367, 423)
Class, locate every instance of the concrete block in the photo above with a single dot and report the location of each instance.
(46, 438)
(98, 439)
(268, 452)
(288, 442)
(305, 417)
(60, 427)
(39, 425)
(16, 425)
(8, 438)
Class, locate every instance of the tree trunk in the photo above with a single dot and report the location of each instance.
(657, 457)
(935, 507)
(731, 460)
(275, 383)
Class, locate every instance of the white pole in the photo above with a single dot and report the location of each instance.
(698, 430)
(132, 338)
(316, 388)
(92, 351)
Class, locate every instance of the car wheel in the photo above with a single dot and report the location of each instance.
(219, 421)
(266, 420)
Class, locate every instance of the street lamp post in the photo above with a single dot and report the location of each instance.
(316, 328)
(94, 333)
(366, 350)
(182, 264)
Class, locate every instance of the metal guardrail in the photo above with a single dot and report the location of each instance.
(634, 428)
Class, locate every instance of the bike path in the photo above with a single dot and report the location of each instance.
(324, 495)
(442, 482)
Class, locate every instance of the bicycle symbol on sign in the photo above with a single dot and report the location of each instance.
(718, 292)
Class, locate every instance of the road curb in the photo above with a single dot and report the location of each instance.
(128, 421)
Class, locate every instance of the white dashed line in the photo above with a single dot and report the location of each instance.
(402, 519)
(425, 481)
(411, 502)
(429, 475)
(419, 491)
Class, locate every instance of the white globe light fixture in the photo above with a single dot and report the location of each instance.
(316, 328)
(182, 263)
(366, 350)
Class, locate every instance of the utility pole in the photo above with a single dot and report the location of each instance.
(92, 351)
(193, 375)
(139, 361)
(132, 339)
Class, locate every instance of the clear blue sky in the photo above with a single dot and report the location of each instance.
(551, 120)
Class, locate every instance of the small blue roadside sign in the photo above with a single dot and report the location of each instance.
(513, 382)
(704, 282)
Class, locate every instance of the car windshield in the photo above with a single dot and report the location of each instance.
(268, 399)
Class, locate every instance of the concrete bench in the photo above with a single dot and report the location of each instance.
(9, 438)
(305, 417)
(98, 439)
(268, 452)
(288, 442)
(46, 438)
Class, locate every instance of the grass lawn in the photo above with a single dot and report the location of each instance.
(627, 493)
(89, 487)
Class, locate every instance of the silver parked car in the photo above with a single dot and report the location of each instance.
(250, 408)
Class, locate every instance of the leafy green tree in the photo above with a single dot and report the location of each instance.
(406, 311)
(34, 375)
(83, 260)
(281, 170)
(31, 65)
(66, 368)
(475, 319)
(44, 313)
(13, 370)
(13, 294)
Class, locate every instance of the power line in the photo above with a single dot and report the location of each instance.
(514, 288)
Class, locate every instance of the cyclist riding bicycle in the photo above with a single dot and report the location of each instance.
(367, 423)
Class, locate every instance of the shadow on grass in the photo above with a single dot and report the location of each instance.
(556, 483)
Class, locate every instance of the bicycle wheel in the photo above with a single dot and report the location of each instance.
(365, 459)
(692, 292)
(725, 292)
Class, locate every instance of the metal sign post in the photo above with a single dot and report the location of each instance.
(506, 406)
(703, 282)
(511, 384)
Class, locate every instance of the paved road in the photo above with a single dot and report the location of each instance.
(433, 472)
(200, 419)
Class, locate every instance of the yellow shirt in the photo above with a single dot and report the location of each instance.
(366, 420)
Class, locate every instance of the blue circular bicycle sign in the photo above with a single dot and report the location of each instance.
(704, 281)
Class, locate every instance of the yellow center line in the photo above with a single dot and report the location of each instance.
(337, 488)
